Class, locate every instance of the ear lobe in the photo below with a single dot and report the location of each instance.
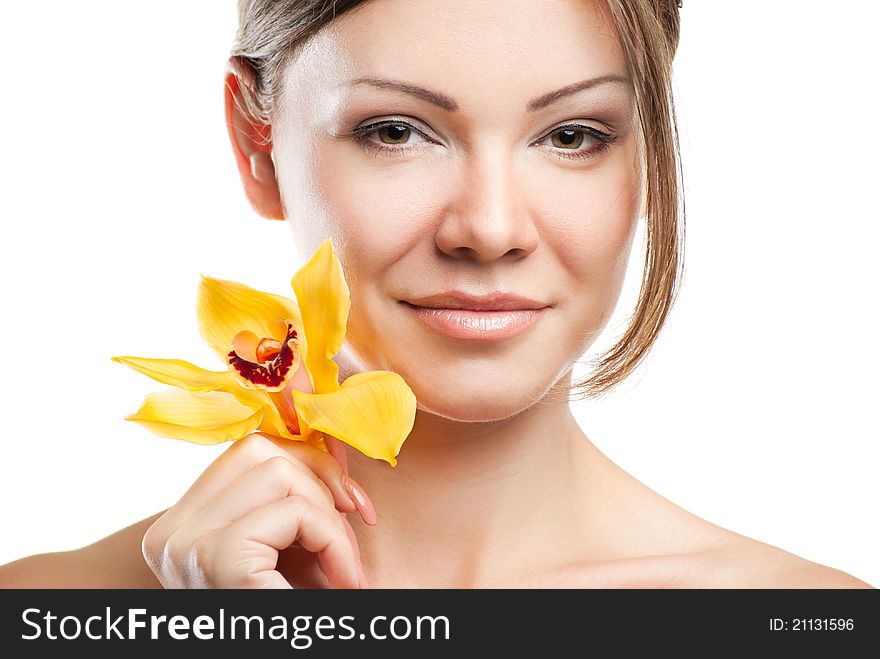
(252, 147)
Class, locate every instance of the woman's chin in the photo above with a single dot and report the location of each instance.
(474, 406)
(466, 391)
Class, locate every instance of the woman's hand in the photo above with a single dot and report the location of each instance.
(237, 525)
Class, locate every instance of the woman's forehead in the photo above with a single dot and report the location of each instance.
(520, 49)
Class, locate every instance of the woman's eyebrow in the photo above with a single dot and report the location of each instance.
(450, 105)
(436, 98)
(568, 90)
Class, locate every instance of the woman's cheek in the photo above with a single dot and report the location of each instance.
(380, 214)
(590, 230)
(591, 239)
(381, 209)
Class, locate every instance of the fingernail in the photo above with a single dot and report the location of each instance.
(359, 499)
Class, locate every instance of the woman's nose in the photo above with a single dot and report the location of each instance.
(488, 216)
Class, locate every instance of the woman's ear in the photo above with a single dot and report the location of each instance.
(252, 146)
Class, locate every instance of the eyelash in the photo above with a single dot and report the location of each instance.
(362, 133)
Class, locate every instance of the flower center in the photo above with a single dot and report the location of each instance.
(268, 350)
(265, 363)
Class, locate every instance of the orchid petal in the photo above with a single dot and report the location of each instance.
(187, 376)
(324, 302)
(257, 399)
(200, 417)
(226, 308)
(177, 373)
(373, 411)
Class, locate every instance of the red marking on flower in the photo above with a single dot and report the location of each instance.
(278, 359)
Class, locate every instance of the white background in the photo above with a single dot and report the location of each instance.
(757, 409)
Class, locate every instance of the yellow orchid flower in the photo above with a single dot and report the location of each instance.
(280, 377)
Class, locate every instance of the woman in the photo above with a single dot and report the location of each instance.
(460, 155)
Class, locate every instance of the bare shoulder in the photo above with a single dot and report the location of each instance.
(112, 562)
(674, 548)
(745, 563)
(742, 563)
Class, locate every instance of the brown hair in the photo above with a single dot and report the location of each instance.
(272, 32)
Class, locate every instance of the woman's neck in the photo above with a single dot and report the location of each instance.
(473, 503)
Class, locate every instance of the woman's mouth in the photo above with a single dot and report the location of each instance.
(476, 325)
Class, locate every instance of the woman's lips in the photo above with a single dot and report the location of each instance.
(476, 325)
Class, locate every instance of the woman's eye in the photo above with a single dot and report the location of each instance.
(395, 137)
(571, 139)
(394, 134)
(387, 136)
(568, 138)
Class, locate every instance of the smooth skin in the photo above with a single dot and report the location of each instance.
(497, 485)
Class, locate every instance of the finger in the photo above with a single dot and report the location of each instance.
(348, 494)
(244, 455)
(337, 450)
(331, 472)
(276, 478)
(276, 526)
(362, 579)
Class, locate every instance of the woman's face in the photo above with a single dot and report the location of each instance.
(472, 185)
